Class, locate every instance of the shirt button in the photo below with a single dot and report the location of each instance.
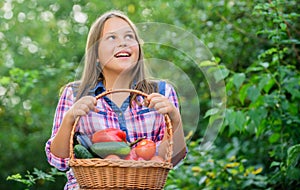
(120, 114)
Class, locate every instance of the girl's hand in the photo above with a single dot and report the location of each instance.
(83, 106)
(161, 104)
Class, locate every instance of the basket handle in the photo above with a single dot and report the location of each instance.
(166, 117)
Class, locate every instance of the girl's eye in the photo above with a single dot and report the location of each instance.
(112, 37)
(129, 37)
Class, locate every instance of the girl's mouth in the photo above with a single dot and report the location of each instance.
(122, 54)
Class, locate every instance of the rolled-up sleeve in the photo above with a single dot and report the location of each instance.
(59, 163)
(64, 104)
(172, 95)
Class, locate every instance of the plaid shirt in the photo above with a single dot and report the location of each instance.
(136, 120)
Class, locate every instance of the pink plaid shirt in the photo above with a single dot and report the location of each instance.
(137, 121)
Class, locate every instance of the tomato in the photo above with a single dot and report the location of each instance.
(157, 159)
(145, 149)
(109, 135)
(112, 157)
(132, 155)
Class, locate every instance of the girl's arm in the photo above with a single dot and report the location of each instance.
(60, 143)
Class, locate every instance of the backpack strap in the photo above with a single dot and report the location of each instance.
(75, 87)
(162, 87)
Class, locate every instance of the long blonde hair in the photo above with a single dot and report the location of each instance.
(92, 73)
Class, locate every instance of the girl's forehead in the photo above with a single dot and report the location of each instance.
(116, 25)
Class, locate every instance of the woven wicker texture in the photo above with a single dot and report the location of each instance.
(109, 174)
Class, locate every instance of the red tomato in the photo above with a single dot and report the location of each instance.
(145, 149)
(112, 157)
(157, 159)
(132, 155)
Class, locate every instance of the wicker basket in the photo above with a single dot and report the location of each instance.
(109, 174)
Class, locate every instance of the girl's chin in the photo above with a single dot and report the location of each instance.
(126, 65)
(120, 69)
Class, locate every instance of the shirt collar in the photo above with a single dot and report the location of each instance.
(99, 88)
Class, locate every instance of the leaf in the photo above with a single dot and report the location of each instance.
(265, 64)
(14, 177)
(42, 175)
(290, 41)
(257, 116)
(229, 85)
(211, 112)
(257, 171)
(202, 180)
(283, 26)
(274, 138)
(5, 80)
(292, 86)
(54, 172)
(293, 155)
(230, 116)
(240, 120)
(243, 93)
(263, 81)
(29, 181)
(207, 63)
(221, 74)
(253, 69)
(274, 164)
(247, 183)
(253, 93)
(269, 85)
(268, 52)
(233, 171)
(238, 79)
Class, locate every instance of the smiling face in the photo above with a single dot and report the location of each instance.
(118, 49)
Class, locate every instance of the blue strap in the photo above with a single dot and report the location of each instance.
(162, 87)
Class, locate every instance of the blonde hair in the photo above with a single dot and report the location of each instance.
(92, 73)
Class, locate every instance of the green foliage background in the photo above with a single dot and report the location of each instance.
(256, 44)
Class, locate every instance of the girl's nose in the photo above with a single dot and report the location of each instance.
(122, 42)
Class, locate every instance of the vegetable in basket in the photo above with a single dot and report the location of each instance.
(145, 149)
(109, 135)
(103, 149)
(84, 140)
(81, 152)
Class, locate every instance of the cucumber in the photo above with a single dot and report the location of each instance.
(81, 152)
(103, 149)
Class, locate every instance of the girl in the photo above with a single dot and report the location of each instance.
(114, 60)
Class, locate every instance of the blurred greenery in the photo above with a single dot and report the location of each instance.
(255, 43)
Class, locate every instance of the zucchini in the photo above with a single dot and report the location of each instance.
(103, 149)
(81, 152)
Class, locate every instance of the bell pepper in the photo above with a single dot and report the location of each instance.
(109, 135)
